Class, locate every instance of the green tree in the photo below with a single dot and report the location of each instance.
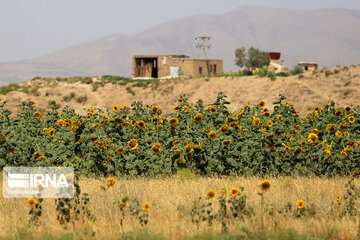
(252, 59)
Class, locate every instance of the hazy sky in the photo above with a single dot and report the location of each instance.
(30, 28)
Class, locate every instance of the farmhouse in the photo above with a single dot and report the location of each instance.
(163, 66)
(308, 66)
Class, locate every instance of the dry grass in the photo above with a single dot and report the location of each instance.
(166, 195)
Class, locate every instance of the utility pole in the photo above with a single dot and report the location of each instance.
(201, 43)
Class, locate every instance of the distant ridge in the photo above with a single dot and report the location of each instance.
(327, 36)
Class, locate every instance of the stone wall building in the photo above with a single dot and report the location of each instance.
(162, 66)
(308, 66)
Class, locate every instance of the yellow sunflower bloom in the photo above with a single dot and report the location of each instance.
(116, 108)
(120, 150)
(261, 103)
(210, 194)
(125, 108)
(300, 204)
(154, 108)
(226, 142)
(31, 202)
(234, 192)
(224, 129)
(313, 138)
(146, 206)
(133, 144)
(92, 111)
(256, 121)
(156, 148)
(212, 135)
(265, 185)
(198, 117)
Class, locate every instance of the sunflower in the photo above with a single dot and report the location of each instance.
(116, 108)
(357, 144)
(269, 136)
(261, 103)
(88, 117)
(154, 108)
(120, 150)
(330, 128)
(343, 154)
(36, 155)
(118, 121)
(338, 113)
(146, 206)
(156, 148)
(212, 109)
(133, 144)
(316, 109)
(233, 124)
(92, 111)
(338, 198)
(338, 134)
(256, 121)
(140, 124)
(234, 192)
(198, 117)
(226, 142)
(111, 182)
(270, 123)
(224, 129)
(31, 202)
(212, 135)
(351, 119)
(343, 127)
(347, 108)
(303, 143)
(210, 193)
(133, 122)
(37, 115)
(177, 108)
(328, 152)
(300, 204)
(315, 130)
(42, 158)
(279, 117)
(173, 121)
(347, 148)
(313, 138)
(267, 114)
(298, 165)
(265, 110)
(185, 109)
(265, 185)
(125, 108)
(60, 123)
(51, 132)
(177, 142)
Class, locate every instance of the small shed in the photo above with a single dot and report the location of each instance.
(171, 65)
(308, 66)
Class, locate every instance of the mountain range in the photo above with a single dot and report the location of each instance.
(327, 36)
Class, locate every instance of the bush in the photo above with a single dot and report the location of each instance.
(297, 70)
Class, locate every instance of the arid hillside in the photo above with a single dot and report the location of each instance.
(304, 91)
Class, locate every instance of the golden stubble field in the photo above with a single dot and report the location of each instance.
(169, 195)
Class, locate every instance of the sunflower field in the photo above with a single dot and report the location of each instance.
(209, 140)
